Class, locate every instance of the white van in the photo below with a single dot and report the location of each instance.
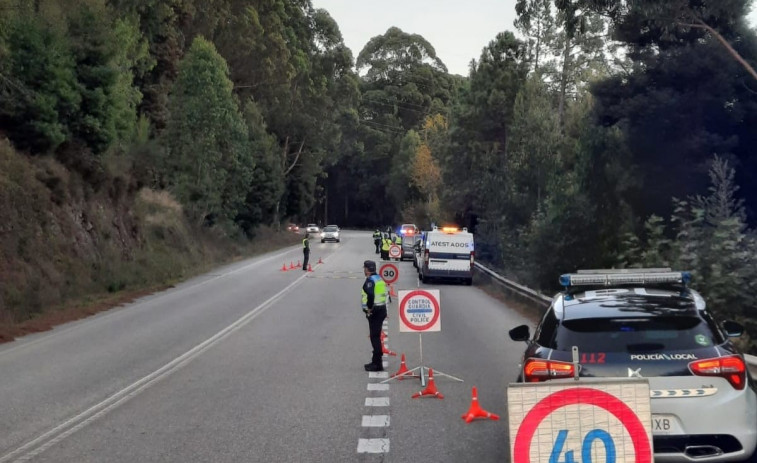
(447, 253)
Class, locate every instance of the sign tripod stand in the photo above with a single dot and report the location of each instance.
(423, 369)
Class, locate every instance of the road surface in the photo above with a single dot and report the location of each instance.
(249, 363)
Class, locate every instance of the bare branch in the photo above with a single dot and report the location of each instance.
(296, 158)
(701, 25)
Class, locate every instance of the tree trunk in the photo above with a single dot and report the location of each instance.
(564, 80)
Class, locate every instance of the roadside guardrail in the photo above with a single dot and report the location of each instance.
(540, 300)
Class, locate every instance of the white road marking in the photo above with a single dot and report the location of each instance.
(378, 387)
(377, 401)
(375, 421)
(40, 444)
(373, 446)
(385, 364)
(378, 374)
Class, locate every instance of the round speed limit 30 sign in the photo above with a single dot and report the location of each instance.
(588, 421)
(389, 273)
(420, 310)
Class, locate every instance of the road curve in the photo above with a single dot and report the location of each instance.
(249, 363)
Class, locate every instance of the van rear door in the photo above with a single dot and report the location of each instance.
(450, 254)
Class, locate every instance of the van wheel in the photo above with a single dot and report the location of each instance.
(338, 241)
(469, 281)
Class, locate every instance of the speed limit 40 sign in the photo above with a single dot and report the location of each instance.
(389, 273)
(589, 421)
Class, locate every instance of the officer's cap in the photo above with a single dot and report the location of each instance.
(370, 265)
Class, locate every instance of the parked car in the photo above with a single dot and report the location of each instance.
(648, 323)
(330, 233)
(408, 246)
(312, 228)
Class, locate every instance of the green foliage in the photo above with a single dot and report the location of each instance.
(39, 87)
(209, 163)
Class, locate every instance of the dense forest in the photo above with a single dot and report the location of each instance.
(593, 133)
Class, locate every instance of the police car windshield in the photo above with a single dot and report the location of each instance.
(636, 335)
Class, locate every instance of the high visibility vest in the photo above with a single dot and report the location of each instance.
(305, 243)
(385, 243)
(398, 239)
(379, 292)
(377, 235)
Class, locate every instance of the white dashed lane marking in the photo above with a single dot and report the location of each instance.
(378, 374)
(373, 446)
(377, 401)
(375, 421)
(378, 387)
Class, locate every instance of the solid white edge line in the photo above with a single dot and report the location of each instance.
(49, 438)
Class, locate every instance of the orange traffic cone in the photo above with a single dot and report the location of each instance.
(386, 351)
(430, 389)
(391, 291)
(475, 410)
(320, 261)
(402, 372)
(299, 265)
(310, 268)
(284, 268)
(291, 265)
(383, 336)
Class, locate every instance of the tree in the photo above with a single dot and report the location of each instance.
(209, 164)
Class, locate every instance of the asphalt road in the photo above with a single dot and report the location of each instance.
(253, 364)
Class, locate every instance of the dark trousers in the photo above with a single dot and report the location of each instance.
(384, 254)
(378, 244)
(305, 257)
(375, 323)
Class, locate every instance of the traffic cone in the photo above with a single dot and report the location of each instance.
(430, 389)
(310, 268)
(386, 351)
(391, 291)
(284, 268)
(291, 265)
(383, 336)
(475, 410)
(299, 265)
(403, 370)
(320, 261)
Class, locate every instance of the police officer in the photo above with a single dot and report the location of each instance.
(377, 240)
(386, 242)
(374, 307)
(305, 251)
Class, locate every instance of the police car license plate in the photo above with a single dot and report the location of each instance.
(666, 424)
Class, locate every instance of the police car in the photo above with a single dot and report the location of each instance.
(447, 253)
(648, 323)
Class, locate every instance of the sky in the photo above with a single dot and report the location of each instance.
(457, 29)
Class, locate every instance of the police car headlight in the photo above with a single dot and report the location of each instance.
(322, 235)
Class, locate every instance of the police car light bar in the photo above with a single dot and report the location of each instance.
(619, 279)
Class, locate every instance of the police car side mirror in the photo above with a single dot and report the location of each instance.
(733, 329)
(520, 333)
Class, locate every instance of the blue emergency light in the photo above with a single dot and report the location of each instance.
(624, 277)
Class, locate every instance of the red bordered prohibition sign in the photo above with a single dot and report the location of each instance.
(427, 295)
(587, 396)
(390, 267)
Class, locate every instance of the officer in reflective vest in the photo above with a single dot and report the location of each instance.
(374, 307)
(385, 243)
(305, 251)
(377, 240)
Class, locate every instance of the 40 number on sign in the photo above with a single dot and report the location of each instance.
(594, 435)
